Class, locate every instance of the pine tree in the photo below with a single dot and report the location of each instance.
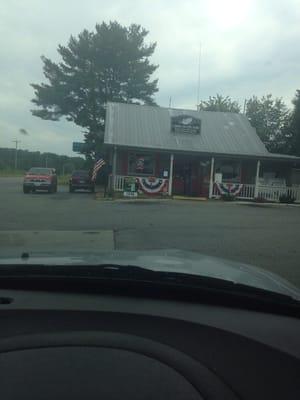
(109, 64)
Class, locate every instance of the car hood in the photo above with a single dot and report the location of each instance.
(176, 261)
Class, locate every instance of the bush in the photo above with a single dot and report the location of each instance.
(287, 198)
(228, 197)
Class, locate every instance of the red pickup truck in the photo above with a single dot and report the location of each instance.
(40, 179)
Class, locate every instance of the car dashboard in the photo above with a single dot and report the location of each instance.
(59, 345)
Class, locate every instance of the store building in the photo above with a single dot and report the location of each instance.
(194, 153)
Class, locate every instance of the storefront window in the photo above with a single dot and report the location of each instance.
(141, 164)
(230, 171)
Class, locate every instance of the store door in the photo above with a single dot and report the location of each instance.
(186, 179)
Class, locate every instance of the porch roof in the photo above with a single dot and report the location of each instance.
(149, 127)
(283, 157)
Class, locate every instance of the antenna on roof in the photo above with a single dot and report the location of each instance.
(170, 102)
(199, 76)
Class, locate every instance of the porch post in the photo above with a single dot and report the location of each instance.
(171, 174)
(114, 168)
(257, 178)
(211, 179)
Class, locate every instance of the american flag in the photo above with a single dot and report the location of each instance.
(98, 165)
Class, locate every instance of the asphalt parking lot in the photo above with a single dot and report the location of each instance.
(263, 236)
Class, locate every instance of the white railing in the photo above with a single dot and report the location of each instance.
(247, 192)
(119, 183)
(266, 192)
(273, 193)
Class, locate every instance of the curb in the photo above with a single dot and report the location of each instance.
(249, 203)
(99, 196)
(190, 198)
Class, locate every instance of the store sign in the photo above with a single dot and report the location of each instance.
(185, 124)
(130, 187)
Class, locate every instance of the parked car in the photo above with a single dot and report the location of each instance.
(81, 180)
(39, 178)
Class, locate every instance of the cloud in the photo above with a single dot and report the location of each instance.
(248, 47)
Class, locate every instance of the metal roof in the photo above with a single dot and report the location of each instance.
(283, 157)
(149, 127)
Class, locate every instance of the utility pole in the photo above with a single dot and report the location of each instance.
(199, 76)
(16, 141)
(245, 105)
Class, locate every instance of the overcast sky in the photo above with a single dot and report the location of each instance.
(248, 47)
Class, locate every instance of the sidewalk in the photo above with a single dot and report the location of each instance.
(99, 197)
(256, 204)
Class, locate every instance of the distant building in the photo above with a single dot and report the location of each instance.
(194, 153)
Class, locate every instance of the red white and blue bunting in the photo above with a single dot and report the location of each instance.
(229, 188)
(152, 185)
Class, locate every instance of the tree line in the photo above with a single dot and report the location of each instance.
(27, 159)
(112, 63)
(276, 125)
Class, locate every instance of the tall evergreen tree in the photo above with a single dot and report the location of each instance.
(109, 64)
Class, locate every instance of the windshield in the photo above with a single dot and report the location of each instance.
(80, 173)
(39, 171)
(166, 127)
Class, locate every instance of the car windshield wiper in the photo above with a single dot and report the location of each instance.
(135, 273)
